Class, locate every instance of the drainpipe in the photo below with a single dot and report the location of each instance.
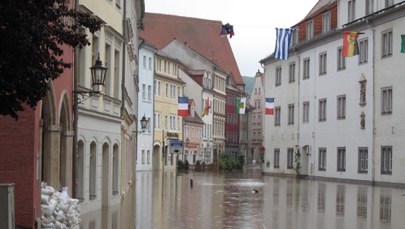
(373, 153)
(75, 112)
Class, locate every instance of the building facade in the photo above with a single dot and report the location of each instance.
(147, 85)
(256, 127)
(168, 125)
(336, 119)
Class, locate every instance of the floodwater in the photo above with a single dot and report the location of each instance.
(226, 200)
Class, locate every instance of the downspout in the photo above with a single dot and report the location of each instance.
(373, 153)
(75, 111)
(124, 33)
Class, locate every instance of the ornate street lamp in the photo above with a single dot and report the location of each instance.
(144, 123)
(98, 73)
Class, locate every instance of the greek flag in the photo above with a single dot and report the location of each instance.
(282, 43)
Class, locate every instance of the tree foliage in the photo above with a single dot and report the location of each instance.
(32, 33)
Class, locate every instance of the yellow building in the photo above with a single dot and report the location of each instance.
(168, 125)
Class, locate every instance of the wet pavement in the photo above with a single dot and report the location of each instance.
(228, 200)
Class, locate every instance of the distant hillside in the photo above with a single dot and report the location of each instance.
(249, 83)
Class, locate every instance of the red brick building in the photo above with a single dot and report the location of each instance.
(38, 147)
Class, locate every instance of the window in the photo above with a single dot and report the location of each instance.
(363, 51)
(276, 163)
(306, 69)
(389, 3)
(143, 156)
(386, 160)
(159, 65)
(166, 122)
(167, 90)
(294, 37)
(148, 156)
(310, 29)
(363, 160)
(278, 76)
(290, 156)
(150, 63)
(341, 60)
(326, 22)
(386, 100)
(277, 114)
(143, 91)
(322, 159)
(322, 63)
(369, 7)
(351, 10)
(290, 114)
(341, 107)
(387, 43)
(144, 61)
(305, 112)
(156, 122)
(322, 110)
(291, 72)
(149, 93)
(341, 159)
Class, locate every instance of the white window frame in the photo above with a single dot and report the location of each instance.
(341, 60)
(341, 107)
(386, 46)
(363, 51)
(341, 159)
(306, 70)
(386, 100)
(305, 112)
(322, 159)
(322, 109)
(363, 160)
(323, 63)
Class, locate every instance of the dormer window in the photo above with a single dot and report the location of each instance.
(310, 29)
(326, 22)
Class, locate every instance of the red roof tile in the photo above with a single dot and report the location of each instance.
(200, 34)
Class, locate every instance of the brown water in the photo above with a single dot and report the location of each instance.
(226, 200)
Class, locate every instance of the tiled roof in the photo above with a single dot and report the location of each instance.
(200, 34)
(320, 6)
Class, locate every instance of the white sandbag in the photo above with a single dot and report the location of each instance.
(45, 199)
(59, 216)
(59, 225)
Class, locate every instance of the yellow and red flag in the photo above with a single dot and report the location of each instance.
(350, 46)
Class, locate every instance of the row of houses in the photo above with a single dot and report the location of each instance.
(177, 64)
(339, 117)
(92, 138)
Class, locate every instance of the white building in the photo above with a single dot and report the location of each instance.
(105, 161)
(256, 99)
(144, 159)
(335, 117)
(202, 72)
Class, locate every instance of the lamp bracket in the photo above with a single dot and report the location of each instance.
(84, 95)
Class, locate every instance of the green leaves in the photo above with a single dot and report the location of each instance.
(32, 36)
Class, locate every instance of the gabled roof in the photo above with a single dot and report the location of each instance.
(201, 34)
(320, 6)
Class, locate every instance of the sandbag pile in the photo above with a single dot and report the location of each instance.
(59, 211)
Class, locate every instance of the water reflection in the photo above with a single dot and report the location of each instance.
(227, 201)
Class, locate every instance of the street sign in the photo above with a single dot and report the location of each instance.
(176, 146)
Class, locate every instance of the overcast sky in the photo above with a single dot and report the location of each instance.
(254, 22)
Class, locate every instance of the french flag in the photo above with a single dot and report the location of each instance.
(269, 106)
(183, 106)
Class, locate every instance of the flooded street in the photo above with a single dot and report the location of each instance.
(229, 200)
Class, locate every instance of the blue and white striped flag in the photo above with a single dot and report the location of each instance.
(282, 43)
